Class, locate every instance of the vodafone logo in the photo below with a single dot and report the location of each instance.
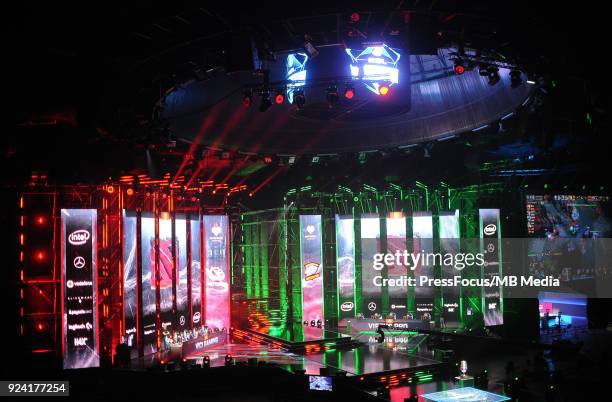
(490, 229)
(78, 237)
(69, 284)
(346, 306)
(79, 262)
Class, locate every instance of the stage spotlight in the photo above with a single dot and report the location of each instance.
(515, 78)
(228, 360)
(40, 220)
(459, 66)
(332, 95)
(310, 48)
(383, 90)
(130, 191)
(206, 361)
(279, 98)
(247, 99)
(299, 99)
(349, 92)
(265, 102)
(493, 75)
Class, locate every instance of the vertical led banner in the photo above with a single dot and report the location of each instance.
(217, 299)
(370, 245)
(490, 235)
(312, 267)
(396, 244)
(449, 245)
(345, 260)
(130, 255)
(422, 229)
(147, 281)
(196, 278)
(182, 305)
(166, 268)
(79, 281)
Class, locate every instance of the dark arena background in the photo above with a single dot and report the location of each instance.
(217, 201)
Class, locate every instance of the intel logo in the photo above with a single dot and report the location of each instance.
(78, 237)
(490, 229)
(346, 306)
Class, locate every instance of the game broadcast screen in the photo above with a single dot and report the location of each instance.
(562, 231)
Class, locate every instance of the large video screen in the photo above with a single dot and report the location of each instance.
(312, 267)
(449, 244)
(166, 271)
(559, 227)
(130, 255)
(422, 232)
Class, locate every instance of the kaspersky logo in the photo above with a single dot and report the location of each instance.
(312, 271)
(78, 237)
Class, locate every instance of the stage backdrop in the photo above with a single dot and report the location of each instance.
(217, 300)
(345, 260)
(312, 267)
(79, 286)
(396, 241)
(182, 302)
(422, 228)
(147, 282)
(196, 273)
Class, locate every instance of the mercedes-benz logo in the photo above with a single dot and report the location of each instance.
(371, 306)
(78, 262)
(182, 320)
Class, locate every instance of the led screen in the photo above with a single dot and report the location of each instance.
(312, 267)
(182, 302)
(130, 306)
(147, 280)
(166, 272)
(216, 233)
(422, 229)
(79, 288)
(345, 255)
(449, 244)
(490, 240)
(370, 245)
(196, 272)
(396, 243)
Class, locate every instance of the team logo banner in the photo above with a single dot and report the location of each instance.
(312, 267)
(490, 240)
(345, 256)
(216, 232)
(79, 284)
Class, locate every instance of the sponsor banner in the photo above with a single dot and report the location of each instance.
(216, 238)
(370, 245)
(312, 267)
(203, 343)
(449, 247)
(422, 230)
(370, 325)
(166, 272)
(147, 281)
(396, 243)
(130, 306)
(79, 285)
(345, 260)
(490, 246)
(196, 278)
(182, 305)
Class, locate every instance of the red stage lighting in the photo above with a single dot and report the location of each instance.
(279, 99)
(130, 191)
(40, 256)
(40, 326)
(459, 69)
(383, 90)
(247, 100)
(40, 220)
(110, 189)
(349, 93)
(267, 160)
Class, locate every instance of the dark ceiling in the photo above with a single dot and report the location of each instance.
(85, 77)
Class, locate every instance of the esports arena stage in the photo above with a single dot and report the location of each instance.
(149, 278)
